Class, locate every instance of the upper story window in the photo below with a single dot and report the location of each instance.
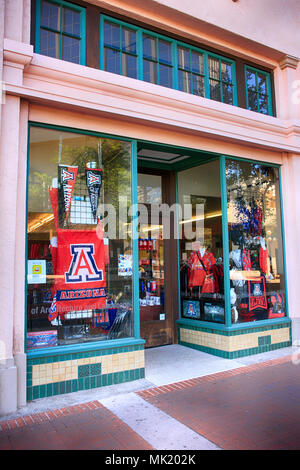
(137, 53)
(132, 51)
(190, 71)
(60, 30)
(157, 60)
(258, 90)
(120, 54)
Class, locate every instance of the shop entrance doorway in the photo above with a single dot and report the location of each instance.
(158, 278)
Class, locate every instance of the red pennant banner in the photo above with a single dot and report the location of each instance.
(80, 271)
(67, 177)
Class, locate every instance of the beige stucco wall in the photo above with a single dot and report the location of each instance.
(264, 21)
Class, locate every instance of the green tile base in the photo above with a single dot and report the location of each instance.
(89, 376)
(239, 353)
(87, 383)
(264, 340)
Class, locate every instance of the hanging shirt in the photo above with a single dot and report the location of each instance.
(198, 273)
(246, 260)
(264, 260)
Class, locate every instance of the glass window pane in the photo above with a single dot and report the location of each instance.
(151, 252)
(226, 72)
(183, 58)
(198, 85)
(129, 68)
(201, 253)
(227, 94)
(252, 101)
(149, 189)
(50, 44)
(263, 104)
(214, 90)
(69, 249)
(197, 63)
(165, 75)
(261, 84)
(71, 21)
(184, 81)
(164, 52)
(71, 49)
(149, 47)
(50, 15)
(112, 61)
(128, 40)
(255, 242)
(149, 71)
(111, 35)
(251, 80)
(214, 68)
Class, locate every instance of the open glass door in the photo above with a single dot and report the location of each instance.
(155, 315)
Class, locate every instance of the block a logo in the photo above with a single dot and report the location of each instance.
(93, 179)
(67, 175)
(83, 266)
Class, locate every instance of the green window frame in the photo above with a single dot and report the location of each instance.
(58, 32)
(258, 90)
(170, 63)
(119, 48)
(158, 59)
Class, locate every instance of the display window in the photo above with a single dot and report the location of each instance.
(79, 279)
(257, 280)
(226, 242)
(201, 249)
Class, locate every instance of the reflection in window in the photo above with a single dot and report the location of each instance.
(220, 80)
(157, 61)
(201, 252)
(60, 30)
(255, 242)
(120, 54)
(258, 89)
(79, 286)
(190, 71)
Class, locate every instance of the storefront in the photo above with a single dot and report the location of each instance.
(134, 244)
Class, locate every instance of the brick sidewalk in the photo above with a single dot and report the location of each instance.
(250, 408)
(89, 426)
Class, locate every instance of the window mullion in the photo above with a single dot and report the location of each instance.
(191, 73)
(257, 92)
(221, 81)
(61, 35)
(206, 75)
(121, 50)
(157, 61)
(175, 65)
(140, 54)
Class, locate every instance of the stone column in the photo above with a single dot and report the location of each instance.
(15, 54)
(291, 203)
(9, 153)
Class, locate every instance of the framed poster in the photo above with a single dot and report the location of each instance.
(191, 309)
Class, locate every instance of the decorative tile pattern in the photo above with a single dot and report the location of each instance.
(233, 344)
(66, 373)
